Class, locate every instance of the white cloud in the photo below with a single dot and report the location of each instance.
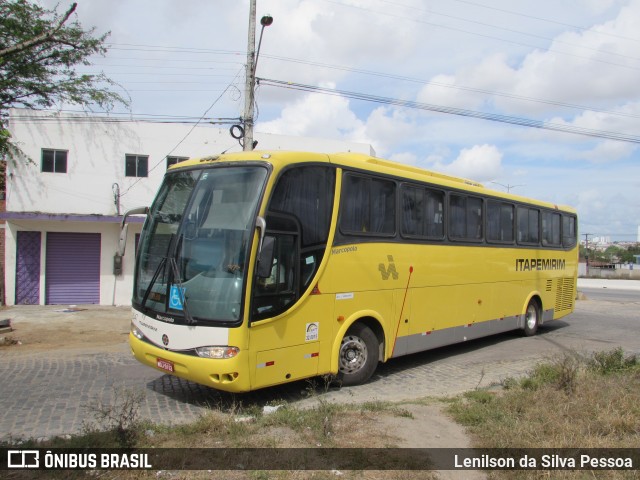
(315, 115)
(608, 151)
(480, 162)
(492, 74)
(598, 66)
(587, 54)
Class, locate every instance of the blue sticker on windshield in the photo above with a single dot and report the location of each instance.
(176, 297)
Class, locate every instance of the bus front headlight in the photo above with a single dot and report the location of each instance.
(217, 352)
(136, 332)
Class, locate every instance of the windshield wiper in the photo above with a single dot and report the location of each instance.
(152, 282)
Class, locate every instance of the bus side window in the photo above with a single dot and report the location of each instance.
(368, 206)
(276, 287)
(499, 222)
(551, 229)
(465, 218)
(568, 231)
(422, 210)
(528, 225)
(306, 193)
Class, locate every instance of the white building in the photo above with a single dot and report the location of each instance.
(64, 202)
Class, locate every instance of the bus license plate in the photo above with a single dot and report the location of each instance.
(165, 365)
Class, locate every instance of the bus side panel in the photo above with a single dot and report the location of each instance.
(381, 306)
(285, 364)
(300, 336)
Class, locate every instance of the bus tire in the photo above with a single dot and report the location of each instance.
(531, 318)
(358, 355)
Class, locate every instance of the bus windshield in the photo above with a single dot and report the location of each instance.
(193, 252)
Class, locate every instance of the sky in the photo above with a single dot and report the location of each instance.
(570, 65)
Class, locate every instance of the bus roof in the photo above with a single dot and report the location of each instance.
(359, 161)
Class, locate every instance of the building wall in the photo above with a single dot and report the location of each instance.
(114, 290)
(2, 248)
(82, 200)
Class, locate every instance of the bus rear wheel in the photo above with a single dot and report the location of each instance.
(531, 318)
(358, 356)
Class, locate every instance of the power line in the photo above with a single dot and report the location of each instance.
(452, 86)
(186, 136)
(497, 27)
(525, 122)
(380, 75)
(548, 20)
(455, 29)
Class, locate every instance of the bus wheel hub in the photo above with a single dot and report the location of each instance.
(353, 354)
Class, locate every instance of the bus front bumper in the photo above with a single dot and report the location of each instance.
(230, 375)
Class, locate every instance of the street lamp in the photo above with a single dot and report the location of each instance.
(507, 186)
(265, 21)
(252, 62)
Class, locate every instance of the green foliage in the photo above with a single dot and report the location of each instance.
(38, 52)
(480, 396)
(628, 254)
(476, 408)
(598, 410)
(561, 373)
(613, 361)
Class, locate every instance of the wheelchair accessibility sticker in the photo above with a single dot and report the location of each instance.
(176, 297)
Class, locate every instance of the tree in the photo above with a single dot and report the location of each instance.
(628, 254)
(38, 52)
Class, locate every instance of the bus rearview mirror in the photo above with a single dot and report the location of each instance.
(265, 260)
(124, 227)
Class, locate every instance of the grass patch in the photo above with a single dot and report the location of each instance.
(573, 401)
(327, 425)
(569, 402)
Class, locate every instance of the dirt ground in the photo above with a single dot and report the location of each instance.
(49, 329)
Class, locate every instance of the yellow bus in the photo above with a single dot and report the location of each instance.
(259, 268)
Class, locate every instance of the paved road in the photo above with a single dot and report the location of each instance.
(55, 393)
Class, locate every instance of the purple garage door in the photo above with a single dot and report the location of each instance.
(28, 268)
(73, 268)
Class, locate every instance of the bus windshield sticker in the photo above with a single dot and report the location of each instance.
(176, 296)
(312, 332)
(344, 296)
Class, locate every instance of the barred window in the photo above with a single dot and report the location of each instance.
(136, 165)
(54, 161)
(175, 160)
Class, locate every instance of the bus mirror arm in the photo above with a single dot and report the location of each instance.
(265, 250)
(124, 227)
(261, 225)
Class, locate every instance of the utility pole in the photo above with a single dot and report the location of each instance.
(250, 81)
(586, 249)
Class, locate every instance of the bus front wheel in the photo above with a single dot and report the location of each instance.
(531, 318)
(358, 357)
